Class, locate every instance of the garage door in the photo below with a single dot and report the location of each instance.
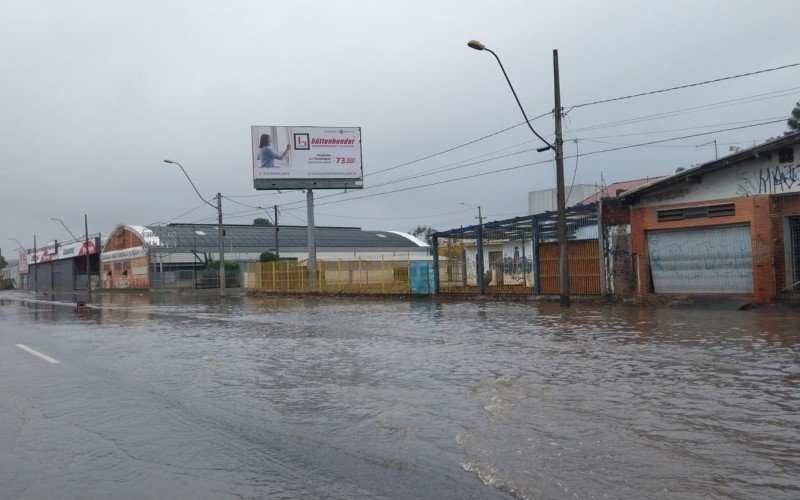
(709, 260)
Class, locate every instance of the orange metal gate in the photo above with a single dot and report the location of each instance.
(584, 268)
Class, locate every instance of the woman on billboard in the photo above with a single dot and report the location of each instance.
(266, 154)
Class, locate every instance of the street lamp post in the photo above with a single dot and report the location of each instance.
(218, 207)
(26, 258)
(88, 258)
(559, 151)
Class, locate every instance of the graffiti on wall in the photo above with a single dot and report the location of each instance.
(696, 259)
(769, 180)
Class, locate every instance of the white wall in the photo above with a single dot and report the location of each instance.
(763, 175)
(545, 200)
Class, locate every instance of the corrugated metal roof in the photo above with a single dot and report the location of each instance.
(205, 237)
(617, 188)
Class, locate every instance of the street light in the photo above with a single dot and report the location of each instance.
(65, 227)
(559, 150)
(218, 207)
(18, 244)
(88, 258)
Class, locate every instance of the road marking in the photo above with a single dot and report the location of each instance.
(37, 354)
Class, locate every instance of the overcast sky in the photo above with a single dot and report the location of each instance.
(94, 95)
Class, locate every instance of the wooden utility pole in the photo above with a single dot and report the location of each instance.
(563, 258)
(88, 261)
(277, 246)
(221, 247)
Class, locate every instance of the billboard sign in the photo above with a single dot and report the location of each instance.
(67, 251)
(306, 157)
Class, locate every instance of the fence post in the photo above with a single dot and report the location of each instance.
(537, 284)
(435, 265)
(360, 276)
(383, 278)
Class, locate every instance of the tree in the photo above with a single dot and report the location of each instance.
(424, 232)
(261, 222)
(3, 262)
(794, 121)
(267, 257)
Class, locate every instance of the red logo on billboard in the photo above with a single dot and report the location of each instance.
(91, 248)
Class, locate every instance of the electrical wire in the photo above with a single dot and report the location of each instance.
(446, 181)
(187, 213)
(456, 147)
(679, 87)
(674, 129)
(253, 207)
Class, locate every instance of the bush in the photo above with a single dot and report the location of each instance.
(267, 257)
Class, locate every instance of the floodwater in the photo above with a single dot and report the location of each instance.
(180, 396)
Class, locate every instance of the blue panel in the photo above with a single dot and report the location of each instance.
(420, 275)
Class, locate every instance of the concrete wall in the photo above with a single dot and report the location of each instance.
(764, 175)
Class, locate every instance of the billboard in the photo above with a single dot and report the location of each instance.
(306, 157)
(67, 251)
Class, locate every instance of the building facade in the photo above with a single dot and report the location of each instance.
(730, 226)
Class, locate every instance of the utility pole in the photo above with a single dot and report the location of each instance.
(277, 246)
(563, 258)
(221, 247)
(35, 267)
(88, 261)
(479, 255)
(312, 243)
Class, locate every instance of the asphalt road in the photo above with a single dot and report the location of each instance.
(109, 404)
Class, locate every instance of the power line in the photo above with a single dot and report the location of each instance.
(715, 105)
(676, 129)
(187, 213)
(446, 181)
(628, 146)
(429, 216)
(684, 86)
(253, 207)
(456, 147)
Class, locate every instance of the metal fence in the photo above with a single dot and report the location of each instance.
(359, 276)
(192, 279)
(516, 256)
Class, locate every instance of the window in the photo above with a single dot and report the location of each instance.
(786, 155)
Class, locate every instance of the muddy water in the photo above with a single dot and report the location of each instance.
(353, 398)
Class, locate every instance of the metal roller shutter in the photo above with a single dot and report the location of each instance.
(705, 260)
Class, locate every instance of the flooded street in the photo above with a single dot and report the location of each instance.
(179, 396)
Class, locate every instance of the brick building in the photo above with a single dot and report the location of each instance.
(729, 226)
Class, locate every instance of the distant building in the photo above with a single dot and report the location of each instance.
(544, 200)
(133, 256)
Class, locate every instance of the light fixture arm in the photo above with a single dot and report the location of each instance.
(192, 183)
(527, 121)
(65, 227)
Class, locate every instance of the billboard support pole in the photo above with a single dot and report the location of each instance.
(312, 244)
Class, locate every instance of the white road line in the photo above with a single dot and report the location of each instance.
(37, 353)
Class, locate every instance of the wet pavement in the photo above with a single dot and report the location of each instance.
(181, 396)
